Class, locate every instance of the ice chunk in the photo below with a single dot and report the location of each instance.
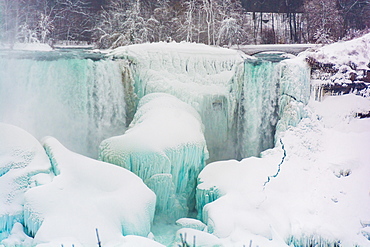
(165, 146)
(22, 159)
(84, 196)
(17, 237)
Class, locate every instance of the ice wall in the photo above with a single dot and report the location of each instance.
(79, 100)
(294, 92)
(165, 146)
(23, 165)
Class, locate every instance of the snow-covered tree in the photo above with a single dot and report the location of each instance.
(122, 23)
(324, 22)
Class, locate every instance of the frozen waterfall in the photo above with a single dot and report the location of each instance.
(77, 99)
(83, 98)
(162, 110)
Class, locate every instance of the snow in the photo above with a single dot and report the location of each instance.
(319, 194)
(355, 51)
(86, 195)
(32, 47)
(23, 163)
(196, 238)
(165, 146)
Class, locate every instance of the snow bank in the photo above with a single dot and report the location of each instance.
(341, 67)
(355, 52)
(32, 47)
(23, 165)
(205, 77)
(312, 189)
(84, 196)
(165, 146)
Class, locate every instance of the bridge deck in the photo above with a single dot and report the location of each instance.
(288, 48)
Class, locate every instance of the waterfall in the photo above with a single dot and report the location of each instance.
(78, 100)
(257, 108)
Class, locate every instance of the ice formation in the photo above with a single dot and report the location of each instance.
(205, 77)
(294, 92)
(241, 95)
(23, 165)
(86, 195)
(77, 98)
(319, 196)
(165, 146)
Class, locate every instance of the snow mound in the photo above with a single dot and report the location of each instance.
(196, 238)
(312, 189)
(165, 146)
(86, 195)
(23, 164)
(191, 223)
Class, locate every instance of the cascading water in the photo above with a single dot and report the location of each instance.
(257, 113)
(78, 100)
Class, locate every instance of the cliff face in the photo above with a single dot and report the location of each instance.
(341, 68)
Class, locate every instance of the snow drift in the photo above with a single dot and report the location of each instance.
(312, 189)
(86, 195)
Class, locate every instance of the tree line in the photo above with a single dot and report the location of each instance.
(213, 22)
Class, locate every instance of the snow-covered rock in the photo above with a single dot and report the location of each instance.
(165, 146)
(86, 195)
(23, 165)
(352, 52)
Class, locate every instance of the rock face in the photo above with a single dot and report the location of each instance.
(165, 146)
